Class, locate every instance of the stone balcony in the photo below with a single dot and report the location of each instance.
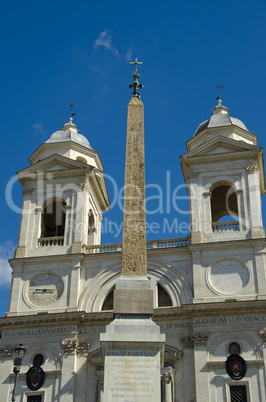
(151, 245)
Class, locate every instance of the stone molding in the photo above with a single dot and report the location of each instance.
(73, 346)
(252, 168)
(7, 351)
(85, 185)
(167, 377)
(27, 191)
(262, 334)
(198, 339)
(192, 175)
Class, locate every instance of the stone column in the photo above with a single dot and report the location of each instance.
(78, 222)
(74, 286)
(200, 357)
(68, 228)
(69, 347)
(99, 379)
(197, 275)
(194, 202)
(207, 224)
(254, 201)
(24, 224)
(240, 207)
(37, 227)
(167, 378)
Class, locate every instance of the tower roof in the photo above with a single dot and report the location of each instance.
(69, 132)
(220, 117)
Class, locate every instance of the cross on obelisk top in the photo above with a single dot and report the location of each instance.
(136, 85)
(219, 90)
(71, 107)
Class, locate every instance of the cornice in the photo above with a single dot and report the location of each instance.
(186, 313)
(222, 130)
(78, 317)
(227, 244)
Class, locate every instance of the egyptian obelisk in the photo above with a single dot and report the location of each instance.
(132, 346)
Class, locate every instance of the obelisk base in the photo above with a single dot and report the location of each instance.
(133, 295)
(132, 347)
(133, 350)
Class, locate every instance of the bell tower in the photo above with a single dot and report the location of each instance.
(64, 196)
(224, 174)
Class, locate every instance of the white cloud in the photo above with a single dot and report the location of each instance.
(129, 54)
(105, 40)
(6, 251)
(38, 128)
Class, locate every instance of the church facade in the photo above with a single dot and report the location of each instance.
(209, 289)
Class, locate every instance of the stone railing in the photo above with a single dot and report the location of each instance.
(51, 241)
(151, 245)
(232, 226)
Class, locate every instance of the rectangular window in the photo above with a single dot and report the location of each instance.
(238, 393)
(34, 398)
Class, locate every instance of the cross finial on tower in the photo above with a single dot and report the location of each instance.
(136, 85)
(71, 107)
(219, 90)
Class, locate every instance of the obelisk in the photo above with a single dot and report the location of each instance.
(132, 346)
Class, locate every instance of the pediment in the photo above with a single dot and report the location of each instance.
(221, 145)
(55, 163)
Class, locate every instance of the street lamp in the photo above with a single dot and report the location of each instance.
(19, 354)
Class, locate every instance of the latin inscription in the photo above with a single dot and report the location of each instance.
(131, 376)
(39, 331)
(52, 331)
(230, 320)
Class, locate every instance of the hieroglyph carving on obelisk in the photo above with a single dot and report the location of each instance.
(134, 252)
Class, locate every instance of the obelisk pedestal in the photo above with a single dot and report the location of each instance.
(132, 346)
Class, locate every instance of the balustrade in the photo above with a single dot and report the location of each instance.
(51, 241)
(232, 226)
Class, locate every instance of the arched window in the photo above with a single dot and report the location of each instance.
(164, 299)
(109, 301)
(91, 224)
(223, 202)
(53, 222)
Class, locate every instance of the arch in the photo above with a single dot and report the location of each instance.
(223, 200)
(91, 223)
(164, 300)
(81, 159)
(51, 355)
(108, 303)
(53, 217)
(94, 296)
(249, 346)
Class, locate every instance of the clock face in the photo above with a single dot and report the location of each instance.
(45, 289)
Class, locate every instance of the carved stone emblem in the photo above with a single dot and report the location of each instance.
(195, 339)
(73, 345)
(7, 351)
(252, 168)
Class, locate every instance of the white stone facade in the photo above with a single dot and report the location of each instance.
(209, 289)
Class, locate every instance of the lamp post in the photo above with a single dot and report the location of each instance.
(19, 354)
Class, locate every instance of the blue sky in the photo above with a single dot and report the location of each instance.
(54, 52)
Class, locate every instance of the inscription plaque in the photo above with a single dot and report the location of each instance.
(132, 376)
